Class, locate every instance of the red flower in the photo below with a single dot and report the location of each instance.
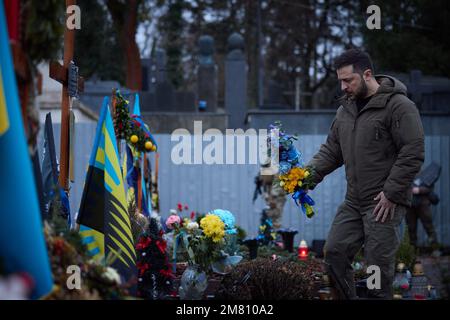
(143, 243)
(58, 247)
(180, 207)
(162, 245)
(166, 273)
(142, 267)
(192, 215)
(186, 207)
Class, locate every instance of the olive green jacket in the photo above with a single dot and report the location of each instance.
(381, 147)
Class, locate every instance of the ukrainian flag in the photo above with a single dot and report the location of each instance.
(103, 216)
(22, 245)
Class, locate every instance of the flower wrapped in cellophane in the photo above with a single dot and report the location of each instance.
(210, 243)
(293, 176)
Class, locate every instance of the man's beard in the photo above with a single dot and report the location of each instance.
(362, 91)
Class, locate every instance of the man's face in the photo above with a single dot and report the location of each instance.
(352, 83)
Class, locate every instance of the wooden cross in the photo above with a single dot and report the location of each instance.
(65, 75)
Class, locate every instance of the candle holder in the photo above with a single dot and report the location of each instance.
(288, 239)
(252, 245)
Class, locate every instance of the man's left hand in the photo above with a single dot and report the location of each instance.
(384, 208)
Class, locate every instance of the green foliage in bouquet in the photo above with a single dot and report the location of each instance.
(122, 117)
(210, 243)
(131, 128)
(66, 249)
(241, 233)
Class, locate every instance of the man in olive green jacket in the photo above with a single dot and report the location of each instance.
(377, 135)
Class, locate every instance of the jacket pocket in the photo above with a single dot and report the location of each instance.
(372, 133)
(407, 128)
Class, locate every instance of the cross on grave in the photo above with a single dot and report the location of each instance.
(67, 75)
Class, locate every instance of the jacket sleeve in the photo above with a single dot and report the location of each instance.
(408, 136)
(328, 158)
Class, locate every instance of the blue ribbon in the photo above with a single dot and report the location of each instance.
(301, 197)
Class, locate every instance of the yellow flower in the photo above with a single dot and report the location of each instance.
(309, 210)
(213, 227)
(306, 174)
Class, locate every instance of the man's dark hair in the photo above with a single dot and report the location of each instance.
(359, 59)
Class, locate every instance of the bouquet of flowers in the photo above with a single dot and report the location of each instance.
(210, 244)
(293, 176)
(155, 274)
(131, 127)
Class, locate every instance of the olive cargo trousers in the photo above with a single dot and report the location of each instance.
(353, 227)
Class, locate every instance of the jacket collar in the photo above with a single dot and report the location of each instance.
(378, 101)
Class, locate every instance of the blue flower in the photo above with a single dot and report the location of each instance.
(227, 218)
(284, 167)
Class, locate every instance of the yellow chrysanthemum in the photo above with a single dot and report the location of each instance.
(293, 179)
(213, 227)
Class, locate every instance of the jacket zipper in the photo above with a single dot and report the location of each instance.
(354, 156)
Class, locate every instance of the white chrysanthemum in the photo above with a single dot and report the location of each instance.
(191, 226)
(112, 275)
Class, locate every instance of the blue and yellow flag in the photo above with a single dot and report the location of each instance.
(22, 245)
(103, 215)
(132, 174)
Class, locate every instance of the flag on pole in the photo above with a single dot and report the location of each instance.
(52, 192)
(135, 172)
(145, 210)
(49, 163)
(131, 172)
(38, 180)
(22, 245)
(137, 106)
(103, 215)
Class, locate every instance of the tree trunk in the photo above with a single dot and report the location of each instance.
(125, 20)
(133, 60)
